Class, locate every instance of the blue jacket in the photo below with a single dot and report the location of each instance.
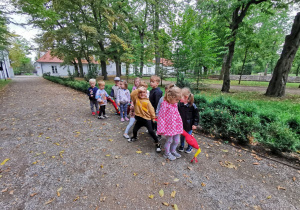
(92, 93)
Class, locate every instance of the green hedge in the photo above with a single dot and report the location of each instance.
(231, 120)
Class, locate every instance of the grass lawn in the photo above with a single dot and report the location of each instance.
(3, 83)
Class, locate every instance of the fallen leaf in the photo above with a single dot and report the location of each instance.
(190, 168)
(49, 201)
(166, 183)
(57, 144)
(257, 158)
(134, 174)
(33, 194)
(257, 207)
(53, 156)
(146, 153)
(11, 192)
(280, 188)
(165, 203)
(176, 180)
(35, 162)
(269, 197)
(5, 190)
(59, 189)
(101, 166)
(256, 163)
(110, 140)
(58, 194)
(48, 138)
(163, 163)
(206, 155)
(161, 193)
(294, 179)
(108, 155)
(203, 184)
(173, 194)
(224, 150)
(102, 199)
(4, 161)
(117, 185)
(151, 196)
(76, 198)
(139, 152)
(175, 207)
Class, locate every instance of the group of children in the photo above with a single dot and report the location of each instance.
(166, 115)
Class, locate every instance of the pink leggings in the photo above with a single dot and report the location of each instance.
(171, 143)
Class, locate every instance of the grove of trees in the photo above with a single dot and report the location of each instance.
(200, 37)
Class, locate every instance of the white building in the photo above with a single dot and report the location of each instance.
(6, 71)
(52, 65)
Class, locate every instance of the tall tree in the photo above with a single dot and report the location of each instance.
(277, 84)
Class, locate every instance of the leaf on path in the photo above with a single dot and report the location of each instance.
(269, 197)
(203, 184)
(146, 153)
(58, 194)
(190, 168)
(108, 155)
(227, 164)
(176, 180)
(76, 198)
(59, 189)
(11, 192)
(4, 161)
(175, 207)
(257, 207)
(134, 174)
(224, 150)
(101, 166)
(240, 160)
(257, 158)
(256, 163)
(5, 190)
(35, 162)
(161, 193)
(165, 203)
(33, 194)
(102, 199)
(139, 152)
(57, 144)
(173, 194)
(110, 140)
(280, 188)
(47, 137)
(51, 200)
(163, 163)
(294, 179)
(166, 183)
(151, 196)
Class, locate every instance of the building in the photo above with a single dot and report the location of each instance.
(6, 71)
(51, 64)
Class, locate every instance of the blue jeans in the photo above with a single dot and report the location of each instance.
(123, 108)
(94, 103)
(131, 122)
(182, 140)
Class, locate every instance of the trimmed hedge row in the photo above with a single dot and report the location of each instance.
(228, 120)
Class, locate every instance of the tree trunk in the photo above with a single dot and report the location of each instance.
(80, 66)
(205, 70)
(142, 53)
(156, 39)
(277, 84)
(118, 66)
(221, 77)
(243, 66)
(127, 71)
(227, 66)
(266, 70)
(103, 69)
(75, 68)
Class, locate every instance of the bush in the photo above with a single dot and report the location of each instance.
(294, 124)
(267, 118)
(201, 102)
(92, 72)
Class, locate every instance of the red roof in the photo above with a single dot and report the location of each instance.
(164, 61)
(48, 58)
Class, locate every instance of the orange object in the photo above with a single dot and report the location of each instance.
(114, 104)
(193, 142)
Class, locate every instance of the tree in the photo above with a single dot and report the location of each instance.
(277, 84)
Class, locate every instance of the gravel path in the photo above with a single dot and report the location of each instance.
(62, 157)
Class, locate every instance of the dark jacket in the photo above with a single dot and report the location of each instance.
(155, 95)
(189, 115)
(92, 91)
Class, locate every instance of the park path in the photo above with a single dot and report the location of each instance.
(61, 157)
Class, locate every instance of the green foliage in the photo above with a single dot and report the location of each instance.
(92, 73)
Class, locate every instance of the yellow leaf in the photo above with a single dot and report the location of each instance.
(110, 140)
(47, 137)
(269, 197)
(134, 174)
(175, 207)
(203, 184)
(57, 144)
(59, 189)
(49, 201)
(176, 180)
(151, 196)
(33, 194)
(139, 152)
(58, 194)
(76, 198)
(165, 203)
(0, 176)
(108, 155)
(4, 161)
(294, 178)
(146, 153)
(161, 193)
(173, 194)
(34, 163)
(40, 136)
(224, 150)
(53, 156)
(101, 166)
(44, 152)
(78, 132)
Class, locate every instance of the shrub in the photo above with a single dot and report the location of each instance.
(200, 101)
(267, 118)
(206, 120)
(294, 124)
(92, 72)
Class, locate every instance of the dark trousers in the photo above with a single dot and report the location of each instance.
(102, 110)
(140, 122)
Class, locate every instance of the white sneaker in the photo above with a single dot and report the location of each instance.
(169, 156)
(126, 136)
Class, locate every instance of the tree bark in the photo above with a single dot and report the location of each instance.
(243, 66)
(277, 84)
(221, 77)
(266, 69)
(118, 67)
(80, 66)
(205, 70)
(103, 69)
(156, 39)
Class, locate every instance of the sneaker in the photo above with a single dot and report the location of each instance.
(100, 117)
(189, 150)
(180, 149)
(122, 120)
(132, 139)
(93, 113)
(126, 136)
(176, 154)
(116, 113)
(126, 119)
(158, 148)
(98, 112)
(169, 156)
(105, 116)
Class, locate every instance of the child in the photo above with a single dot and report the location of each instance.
(136, 83)
(190, 116)
(91, 93)
(169, 122)
(115, 89)
(167, 87)
(101, 97)
(155, 93)
(144, 114)
(123, 99)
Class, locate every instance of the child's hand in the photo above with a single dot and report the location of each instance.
(194, 127)
(142, 88)
(118, 104)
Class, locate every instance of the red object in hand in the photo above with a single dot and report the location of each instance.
(190, 139)
(114, 104)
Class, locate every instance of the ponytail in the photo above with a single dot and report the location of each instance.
(191, 99)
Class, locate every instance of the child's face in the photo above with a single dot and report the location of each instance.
(184, 99)
(101, 87)
(92, 84)
(122, 85)
(117, 83)
(153, 84)
(174, 100)
(143, 94)
(137, 83)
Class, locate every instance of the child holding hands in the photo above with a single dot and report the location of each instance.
(123, 99)
(101, 96)
(169, 122)
(92, 93)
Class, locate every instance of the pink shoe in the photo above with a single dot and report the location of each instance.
(122, 120)
(126, 119)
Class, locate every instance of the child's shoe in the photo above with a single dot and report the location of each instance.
(98, 112)
(105, 116)
(189, 150)
(169, 156)
(158, 148)
(93, 113)
(100, 117)
(126, 119)
(181, 149)
(126, 136)
(122, 120)
(176, 154)
(132, 139)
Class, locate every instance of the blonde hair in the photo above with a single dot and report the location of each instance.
(92, 80)
(174, 92)
(101, 83)
(135, 79)
(155, 78)
(187, 92)
(169, 86)
(125, 84)
(143, 84)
